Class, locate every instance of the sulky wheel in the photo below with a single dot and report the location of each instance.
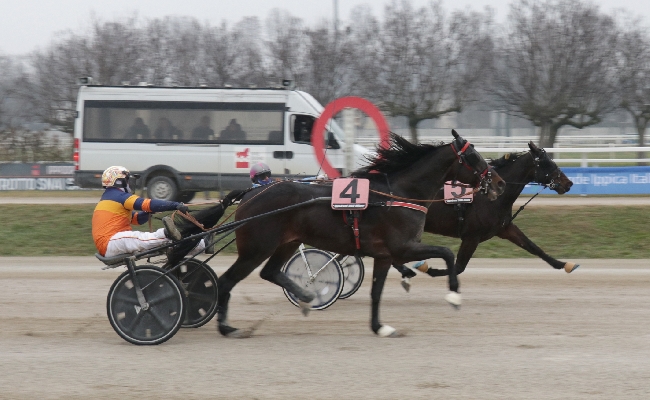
(200, 284)
(323, 277)
(353, 274)
(166, 306)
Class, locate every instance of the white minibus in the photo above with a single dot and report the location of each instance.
(186, 140)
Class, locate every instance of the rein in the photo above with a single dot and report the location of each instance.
(392, 196)
(522, 207)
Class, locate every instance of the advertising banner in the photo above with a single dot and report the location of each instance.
(37, 176)
(603, 180)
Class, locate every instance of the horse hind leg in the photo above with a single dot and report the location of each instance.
(238, 271)
(272, 273)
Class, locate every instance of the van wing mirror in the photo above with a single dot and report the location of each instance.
(332, 143)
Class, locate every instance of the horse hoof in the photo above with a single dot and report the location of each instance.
(570, 267)
(240, 334)
(225, 329)
(388, 331)
(305, 308)
(406, 284)
(454, 299)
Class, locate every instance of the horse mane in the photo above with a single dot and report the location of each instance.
(398, 155)
(506, 159)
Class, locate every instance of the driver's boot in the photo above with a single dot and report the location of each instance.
(171, 232)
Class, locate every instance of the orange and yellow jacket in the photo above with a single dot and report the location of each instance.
(117, 210)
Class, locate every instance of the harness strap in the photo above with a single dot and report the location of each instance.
(460, 210)
(354, 224)
(355, 230)
(407, 205)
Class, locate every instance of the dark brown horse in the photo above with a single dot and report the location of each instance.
(484, 219)
(388, 232)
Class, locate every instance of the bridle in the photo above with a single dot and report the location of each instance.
(541, 177)
(469, 157)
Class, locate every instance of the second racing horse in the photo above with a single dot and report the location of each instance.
(483, 219)
(388, 230)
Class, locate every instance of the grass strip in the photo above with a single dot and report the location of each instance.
(563, 232)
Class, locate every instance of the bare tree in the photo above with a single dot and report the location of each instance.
(365, 45)
(555, 65)
(10, 100)
(116, 50)
(185, 39)
(326, 63)
(634, 73)
(285, 46)
(112, 53)
(428, 64)
(221, 54)
(53, 89)
(176, 52)
(249, 64)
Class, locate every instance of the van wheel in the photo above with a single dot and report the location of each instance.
(162, 188)
(186, 197)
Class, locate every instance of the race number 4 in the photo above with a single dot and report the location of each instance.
(350, 194)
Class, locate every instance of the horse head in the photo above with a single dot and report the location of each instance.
(471, 162)
(547, 172)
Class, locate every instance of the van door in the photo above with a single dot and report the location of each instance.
(304, 160)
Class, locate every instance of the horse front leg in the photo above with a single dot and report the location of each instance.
(379, 272)
(465, 253)
(407, 274)
(516, 236)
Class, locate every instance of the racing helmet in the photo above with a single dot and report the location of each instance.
(260, 172)
(116, 176)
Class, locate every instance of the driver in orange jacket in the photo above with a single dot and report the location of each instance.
(118, 209)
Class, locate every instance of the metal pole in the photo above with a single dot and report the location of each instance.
(349, 130)
(336, 18)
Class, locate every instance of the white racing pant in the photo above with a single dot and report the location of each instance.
(135, 241)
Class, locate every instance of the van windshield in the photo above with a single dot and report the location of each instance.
(186, 122)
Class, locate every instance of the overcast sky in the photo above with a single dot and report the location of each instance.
(26, 25)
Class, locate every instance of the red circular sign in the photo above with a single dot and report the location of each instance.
(318, 140)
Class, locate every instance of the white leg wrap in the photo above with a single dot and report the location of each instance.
(386, 331)
(453, 298)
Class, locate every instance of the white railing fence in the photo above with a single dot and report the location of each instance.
(609, 150)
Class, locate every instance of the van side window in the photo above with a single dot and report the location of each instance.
(183, 122)
(301, 126)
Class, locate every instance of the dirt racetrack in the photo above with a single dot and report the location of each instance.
(525, 331)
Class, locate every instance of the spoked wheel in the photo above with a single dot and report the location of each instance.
(353, 274)
(200, 284)
(322, 274)
(155, 324)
